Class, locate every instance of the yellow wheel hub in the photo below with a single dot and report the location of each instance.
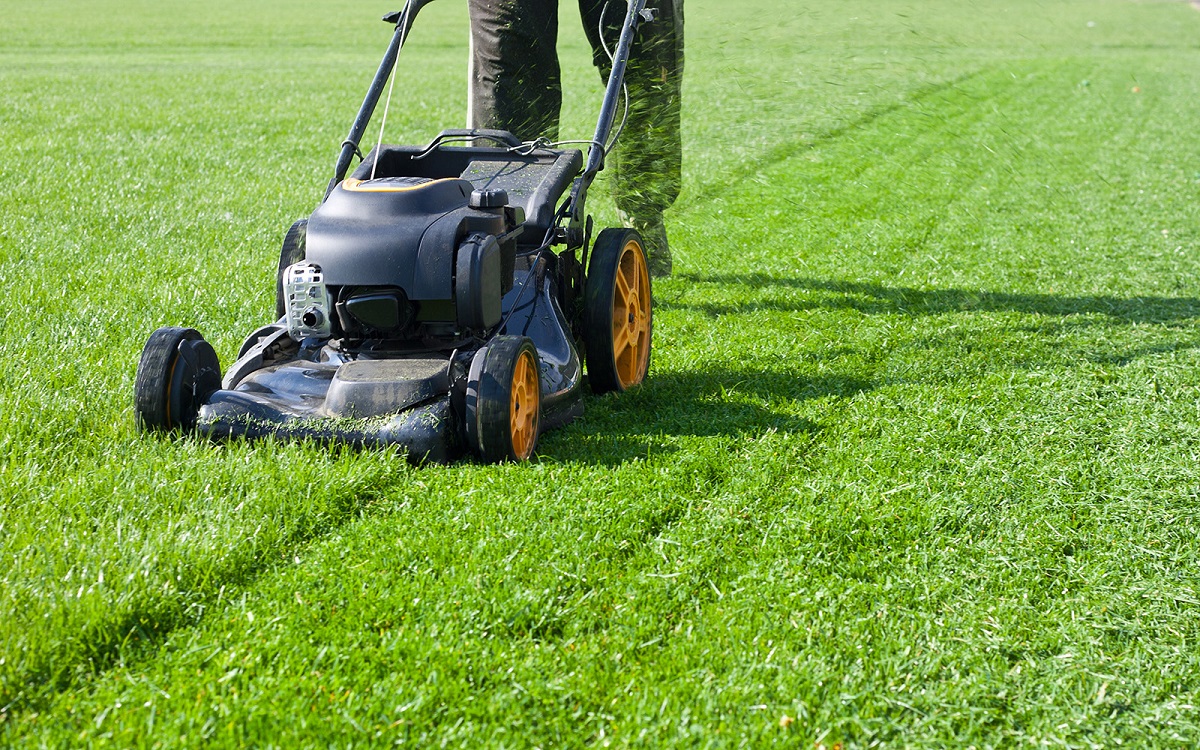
(631, 316)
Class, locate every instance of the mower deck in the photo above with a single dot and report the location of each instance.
(411, 401)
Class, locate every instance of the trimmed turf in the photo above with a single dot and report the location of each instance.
(916, 465)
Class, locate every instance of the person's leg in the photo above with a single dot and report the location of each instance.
(648, 162)
(514, 75)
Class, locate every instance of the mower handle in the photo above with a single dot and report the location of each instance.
(403, 19)
(636, 14)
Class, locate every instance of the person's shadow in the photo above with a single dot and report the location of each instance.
(746, 402)
(1079, 311)
(874, 299)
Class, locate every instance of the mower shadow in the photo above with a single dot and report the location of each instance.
(877, 299)
(718, 402)
(733, 403)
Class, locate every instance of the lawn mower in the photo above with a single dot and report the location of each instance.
(436, 300)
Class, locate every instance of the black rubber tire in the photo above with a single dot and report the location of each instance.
(504, 400)
(291, 252)
(617, 312)
(177, 373)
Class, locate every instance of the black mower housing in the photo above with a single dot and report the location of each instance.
(446, 244)
(433, 295)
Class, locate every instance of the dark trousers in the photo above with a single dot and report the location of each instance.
(515, 86)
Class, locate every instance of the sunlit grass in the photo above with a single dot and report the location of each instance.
(916, 464)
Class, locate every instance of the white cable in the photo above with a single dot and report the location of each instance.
(391, 85)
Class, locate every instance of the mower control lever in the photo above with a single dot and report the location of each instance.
(499, 136)
(414, 5)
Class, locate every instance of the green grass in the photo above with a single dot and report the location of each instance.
(917, 464)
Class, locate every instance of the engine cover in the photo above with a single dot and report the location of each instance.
(478, 282)
(394, 231)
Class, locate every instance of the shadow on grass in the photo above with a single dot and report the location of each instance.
(876, 299)
(718, 402)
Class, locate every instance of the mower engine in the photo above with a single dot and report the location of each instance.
(401, 259)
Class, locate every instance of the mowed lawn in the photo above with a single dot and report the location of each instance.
(917, 463)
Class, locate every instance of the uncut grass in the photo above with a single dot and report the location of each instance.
(147, 191)
(917, 463)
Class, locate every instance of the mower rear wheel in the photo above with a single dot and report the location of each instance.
(617, 320)
(178, 371)
(292, 252)
(504, 400)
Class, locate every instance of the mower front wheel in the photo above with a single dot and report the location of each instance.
(617, 318)
(177, 373)
(504, 400)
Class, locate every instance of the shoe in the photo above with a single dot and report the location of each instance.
(654, 241)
